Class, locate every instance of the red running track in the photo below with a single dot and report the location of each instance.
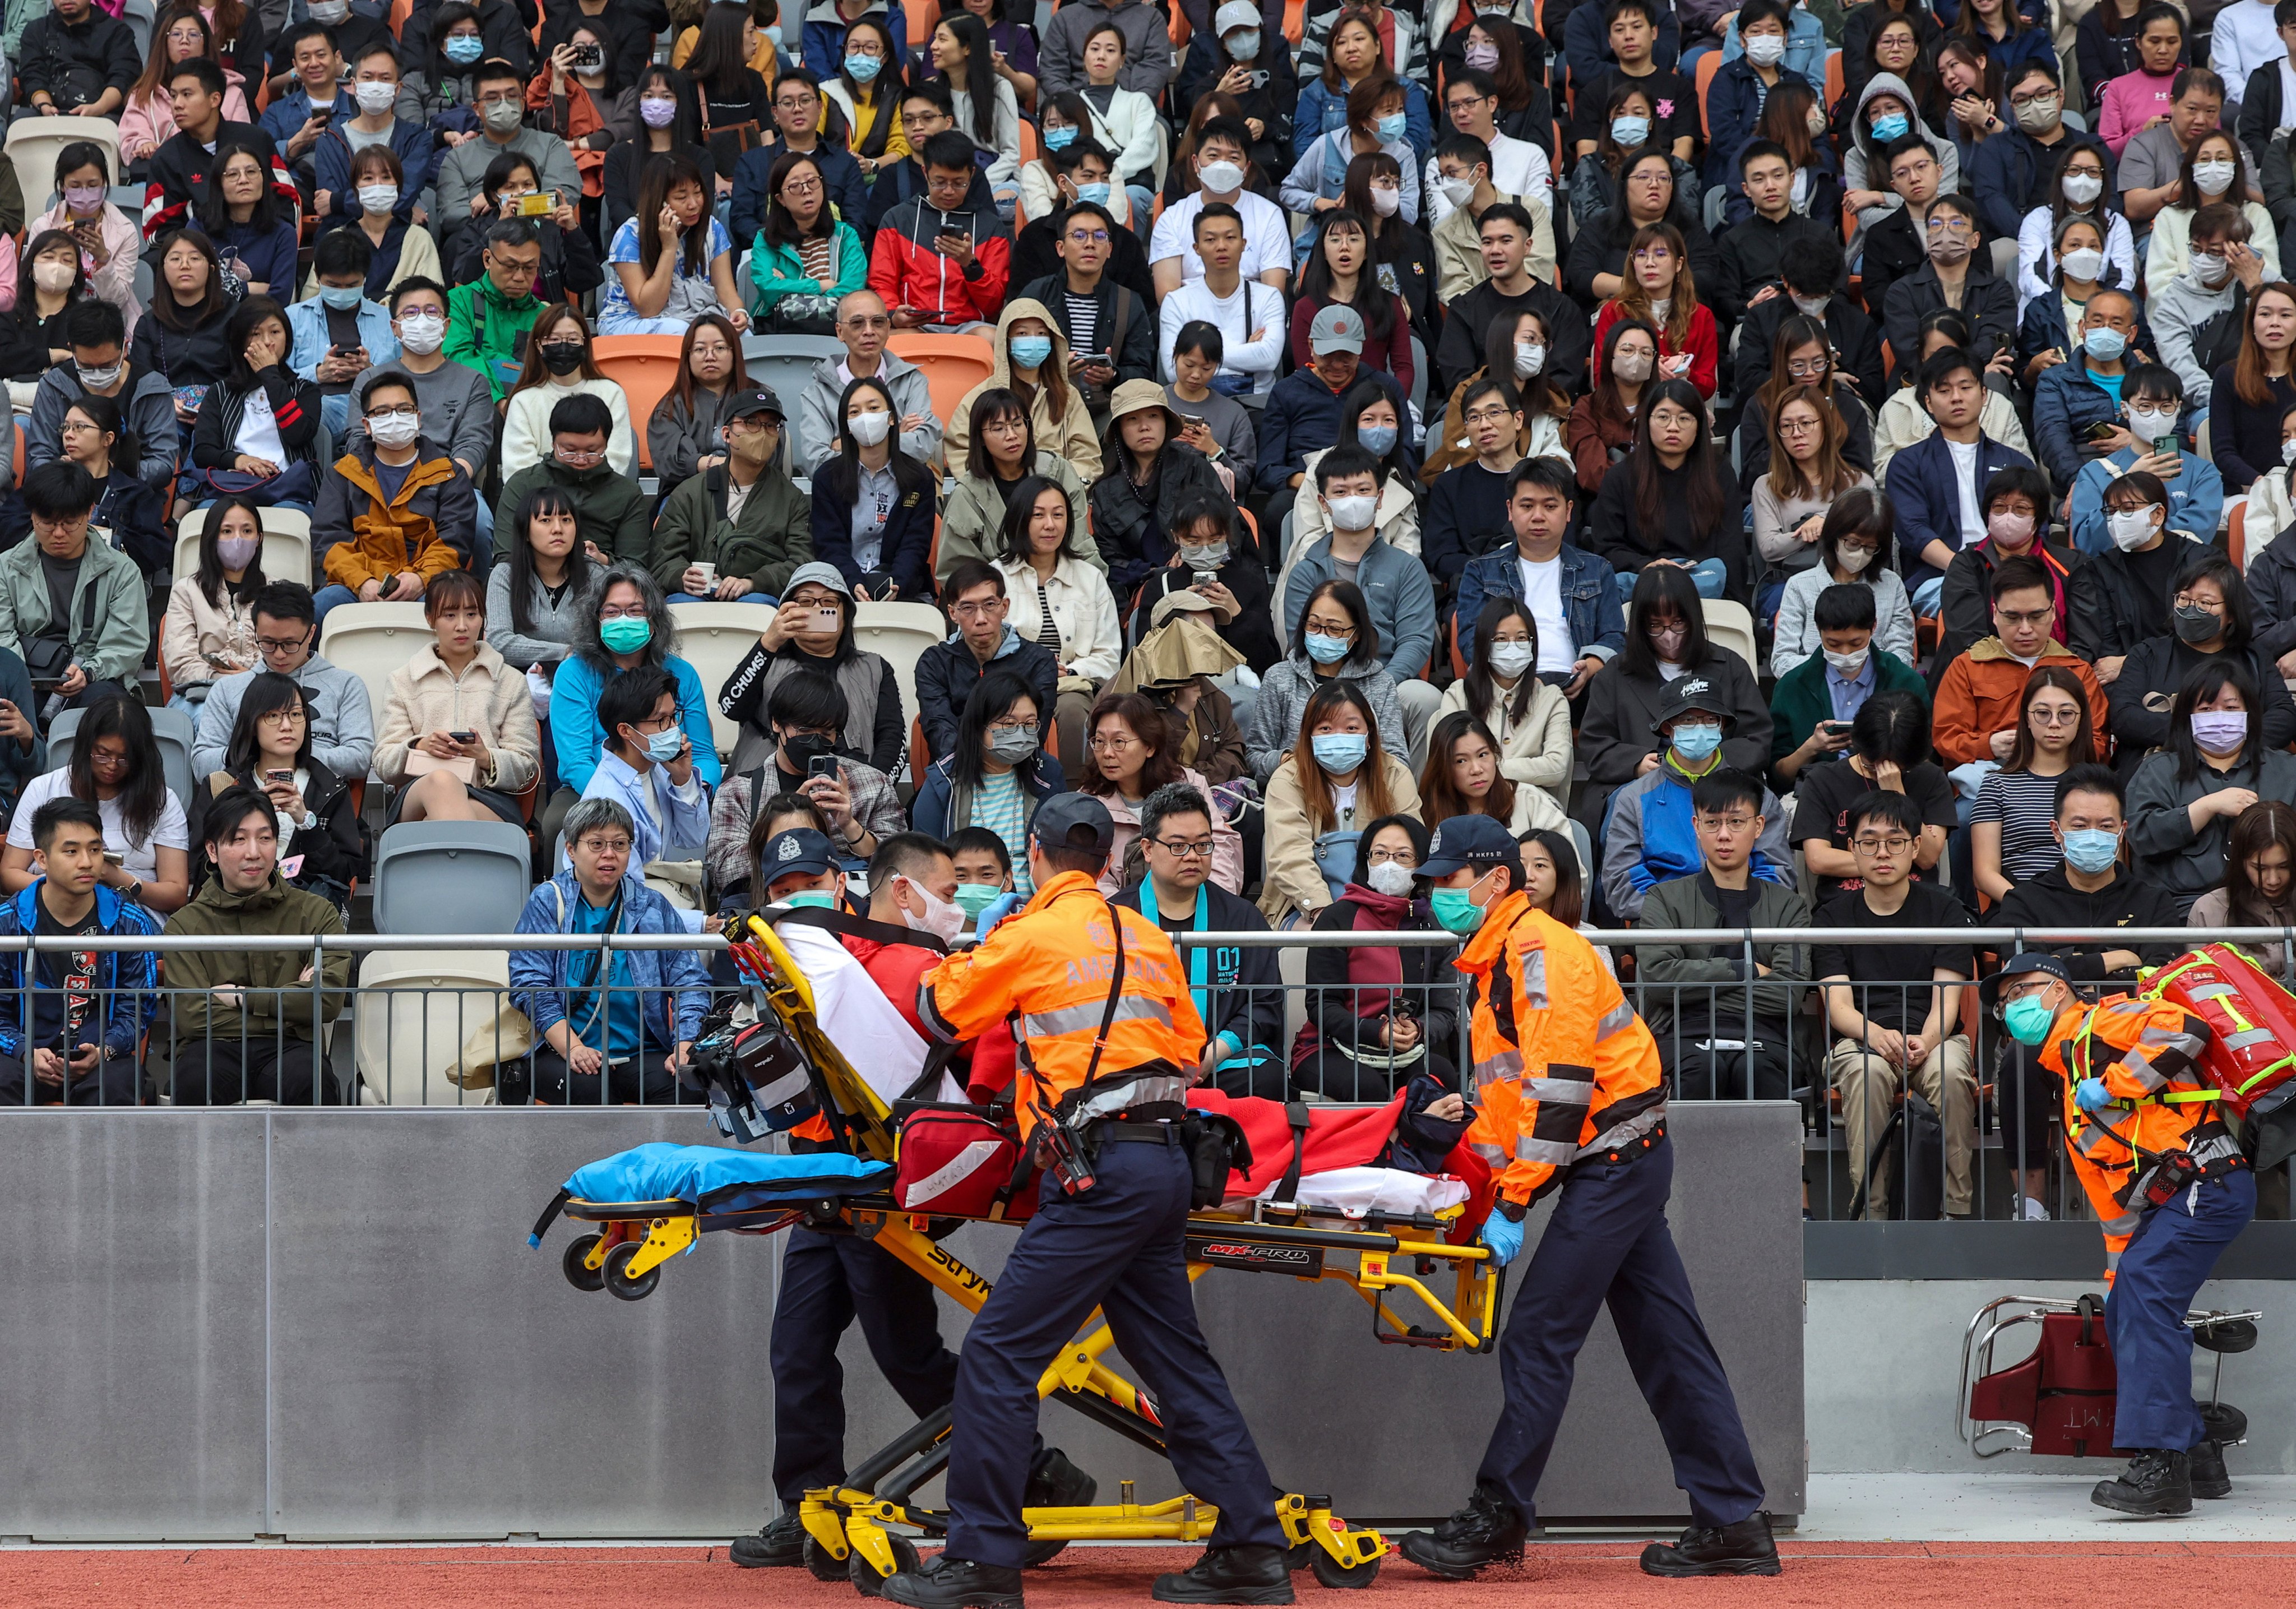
(2035, 1575)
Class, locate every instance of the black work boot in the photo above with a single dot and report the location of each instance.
(1487, 1531)
(2207, 1465)
(942, 1582)
(1229, 1575)
(1054, 1482)
(2157, 1483)
(780, 1546)
(1744, 1548)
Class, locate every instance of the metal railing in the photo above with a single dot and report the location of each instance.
(449, 1035)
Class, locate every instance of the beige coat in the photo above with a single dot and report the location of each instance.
(1071, 435)
(1084, 609)
(488, 698)
(1535, 750)
(1458, 243)
(192, 627)
(1293, 886)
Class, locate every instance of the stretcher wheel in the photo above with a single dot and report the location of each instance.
(2227, 1335)
(1300, 1556)
(1040, 1552)
(1331, 1572)
(824, 1567)
(2223, 1424)
(864, 1575)
(580, 1273)
(619, 1283)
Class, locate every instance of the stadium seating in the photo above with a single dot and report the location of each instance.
(34, 143)
(901, 632)
(645, 367)
(715, 638)
(286, 545)
(371, 641)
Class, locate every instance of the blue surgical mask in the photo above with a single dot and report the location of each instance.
(815, 898)
(2027, 1018)
(662, 747)
(1391, 128)
(1454, 910)
(1890, 125)
(1375, 439)
(1696, 742)
(1031, 351)
(2105, 344)
(1340, 751)
(1627, 133)
(1060, 138)
(1093, 193)
(462, 49)
(862, 68)
(2091, 849)
(342, 298)
(1327, 650)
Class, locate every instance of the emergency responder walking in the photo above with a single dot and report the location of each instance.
(2171, 1190)
(829, 1281)
(1110, 1041)
(1571, 1099)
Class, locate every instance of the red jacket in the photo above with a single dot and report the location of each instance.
(900, 970)
(1703, 346)
(908, 271)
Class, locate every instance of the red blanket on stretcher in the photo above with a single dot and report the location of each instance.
(1338, 1136)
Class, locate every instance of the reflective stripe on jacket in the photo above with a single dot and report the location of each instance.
(1048, 970)
(1564, 1069)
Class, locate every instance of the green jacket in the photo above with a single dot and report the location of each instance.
(772, 537)
(483, 330)
(119, 629)
(274, 991)
(1690, 902)
(779, 271)
(608, 510)
(1800, 701)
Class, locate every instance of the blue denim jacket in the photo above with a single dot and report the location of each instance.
(1590, 598)
(538, 977)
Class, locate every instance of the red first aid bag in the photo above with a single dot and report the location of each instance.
(960, 1161)
(2252, 1051)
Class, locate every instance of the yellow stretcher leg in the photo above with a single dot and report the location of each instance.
(665, 1238)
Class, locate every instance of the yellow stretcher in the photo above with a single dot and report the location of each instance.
(857, 1530)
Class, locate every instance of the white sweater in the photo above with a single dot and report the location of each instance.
(526, 425)
(1083, 610)
(1535, 751)
(1128, 131)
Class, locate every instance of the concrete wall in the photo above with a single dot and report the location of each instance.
(328, 1325)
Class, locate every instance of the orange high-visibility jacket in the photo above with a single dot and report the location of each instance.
(2145, 1051)
(1564, 1069)
(1048, 970)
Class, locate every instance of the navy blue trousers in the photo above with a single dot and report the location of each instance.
(2166, 1263)
(1608, 1243)
(1117, 1247)
(827, 1282)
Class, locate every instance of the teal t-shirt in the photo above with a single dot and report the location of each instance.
(625, 1024)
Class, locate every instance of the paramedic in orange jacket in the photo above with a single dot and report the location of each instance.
(1054, 970)
(1571, 1099)
(2171, 1189)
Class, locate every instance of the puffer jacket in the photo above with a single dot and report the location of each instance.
(1134, 539)
(488, 698)
(273, 998)
(1069, 434)
(358, 535)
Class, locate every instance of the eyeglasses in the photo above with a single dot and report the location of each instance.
(1949, 225)
(580, 455)
(2054, 718)
(979, 610)
(1011, 727)
(399, 412)
(615, 611)
(1402, 858)
(2185, 600)
(605, 846)
(869, 321)
(793, 103)
(1797, 427)
(1882, 846)
(2039, 94)
(1112, 742)
(801, 188)
(1094, 237)
(1330, 629)
(275, 645)
(1808, 368)
(280, 718)
(1488, 415)
(1734, 823)
(1199, 850)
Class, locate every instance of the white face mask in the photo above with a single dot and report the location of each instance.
(870, 429)
(2213, 177)
(421, 333)
(2210, 268)
(2287, 451)
(1851, 560)
(377, 198)
(394, 431)
(374, 98)
(2149, 426)
(1847, 664)
(1458, 192)
(1810, 306)
(1389, 878)
(1766, 50)
(1386, 202)
(1530, 358)
(1221, 177)
(944, 919)
(2082, 188)
(2084, 262)
(1352, 513)
(1511, 659)
(2131, 528)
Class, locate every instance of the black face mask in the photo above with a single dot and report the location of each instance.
(804, 748)
(561, 357)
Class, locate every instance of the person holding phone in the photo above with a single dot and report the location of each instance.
(316, 100)
(2076, 404)
(323, 846)
(1814, 704)
(812, 630)
(937, 261)
(459, 739)
(808, 716)
(646, 767)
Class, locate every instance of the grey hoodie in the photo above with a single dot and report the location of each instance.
(2177, 315)
(1862, 167)
(149, 410)
(342, 719)
(817, 411)
(1284, 691)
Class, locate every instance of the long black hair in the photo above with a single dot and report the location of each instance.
(1482, 685)
(1373, 301)
(542, 500)
(980, 73)
(215, 212)
(685, 129)
(844, 470)
(1397, 460)
(143, 795)
(989, 407)
(27, 301)
(243, 322)
(992, 695)
(1569, 906)
(268, 692)
(1699, 483)
(212, 578)
(1662, 589)
(1021, 511)
(103, 413)
(2206, 681)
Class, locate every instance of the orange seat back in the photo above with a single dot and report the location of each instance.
(645, 367)
(953, 364)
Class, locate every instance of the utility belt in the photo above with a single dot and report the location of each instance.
(2173, 1172)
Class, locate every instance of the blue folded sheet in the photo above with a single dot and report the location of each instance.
(718, 1179)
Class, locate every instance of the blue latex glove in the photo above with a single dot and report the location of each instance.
(1504, 1236)
(1004, 905)
(2091, 1096)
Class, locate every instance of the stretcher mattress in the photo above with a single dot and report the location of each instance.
(1357, 1191)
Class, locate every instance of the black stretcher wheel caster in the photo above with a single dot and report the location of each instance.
(2223, 1424)
(575, 1262)
(864, 1575)
(617, 1277)
(823, 1568)
(1300, 1556)
(1331, 1572)
(2229, 1336)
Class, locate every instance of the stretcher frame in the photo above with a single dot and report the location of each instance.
(857, 1530)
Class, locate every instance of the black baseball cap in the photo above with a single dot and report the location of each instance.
(2021, 965)
(758, 399)
(1058, 817)
(1697, 691)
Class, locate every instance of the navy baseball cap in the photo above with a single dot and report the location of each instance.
(1058, 817)
(1471, 840)
(2023, 964)
(798, 850)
